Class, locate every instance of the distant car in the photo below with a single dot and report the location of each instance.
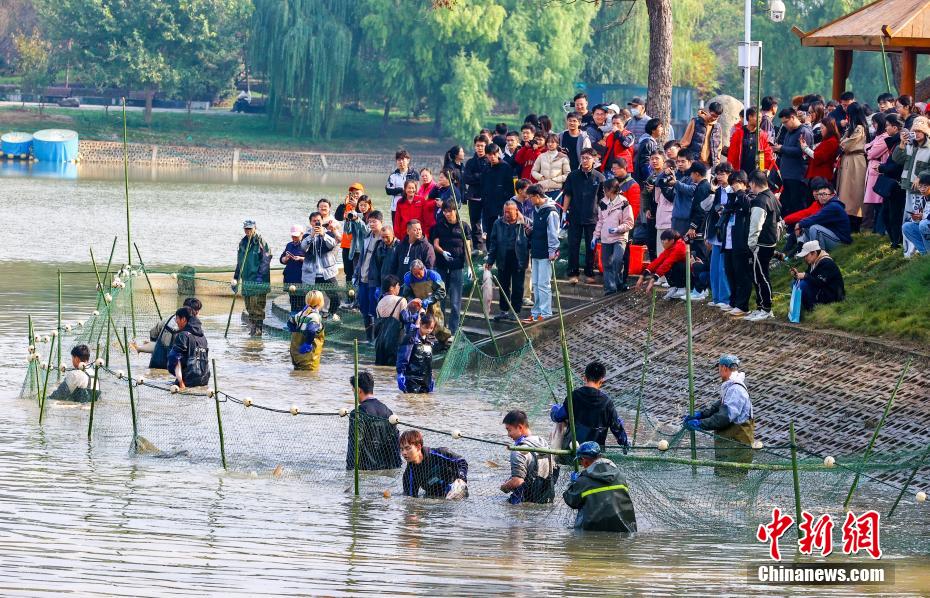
(69, 103)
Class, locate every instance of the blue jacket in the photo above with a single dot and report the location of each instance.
(292, 269)
(832, 216)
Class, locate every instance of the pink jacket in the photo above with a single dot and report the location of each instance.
(617, 215)
(876, 152)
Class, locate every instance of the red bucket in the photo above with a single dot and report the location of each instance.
(637, 253)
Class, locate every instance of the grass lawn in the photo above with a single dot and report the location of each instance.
(354, 132)
(886, 295)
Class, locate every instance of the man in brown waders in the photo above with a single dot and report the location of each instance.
(729, 418)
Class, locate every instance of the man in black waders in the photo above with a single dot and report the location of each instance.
(729, 418)
(599, 493)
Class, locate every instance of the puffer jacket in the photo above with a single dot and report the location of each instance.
(617, 214)
(551, 169)
(602, 498)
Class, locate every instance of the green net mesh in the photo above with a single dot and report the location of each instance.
(677, 486)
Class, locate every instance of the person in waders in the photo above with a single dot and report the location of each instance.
(162, 337)
(599, 493)
(253, 272)
(378, 444)
(415, 355)
(389, 322)
(76, 387)
(729, 418)
(307, 334)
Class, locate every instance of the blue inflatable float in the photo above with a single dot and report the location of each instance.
(16, 145)
(55, 145)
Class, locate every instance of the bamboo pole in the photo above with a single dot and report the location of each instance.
(93, 393)
(358, 415)
(58, 329)
(910, 479)
(219, 418)
(35, 366)
(106, 305)
(471, 268)
(881, 422)
(232, 306)
(690, 344)
(48, 371)
(107, 358)
(795, 480)
(881, 40)
(132, 306)
(642, 379)
(149, 282)
(569, 383)
(528, 341)
(106, 276)
(132, 398)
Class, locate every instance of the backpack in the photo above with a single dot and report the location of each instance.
(197, 367)
(539, 489)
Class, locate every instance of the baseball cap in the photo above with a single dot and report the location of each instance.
(356, 187)
(809, 247)
(637, 101)
(613, 108)
(248, 224)
(588, 449)
(297, 230)
(728, 360)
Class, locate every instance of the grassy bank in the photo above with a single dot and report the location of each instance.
(354, 132)
(886, 295)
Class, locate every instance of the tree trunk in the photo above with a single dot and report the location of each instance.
(437, 118)
(149, 97)
(387, 111)
(895, 59)
(659, 94)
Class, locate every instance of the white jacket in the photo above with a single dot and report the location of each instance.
(551, 169)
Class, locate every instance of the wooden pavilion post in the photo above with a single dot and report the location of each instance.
(842, 64)
(908, 71)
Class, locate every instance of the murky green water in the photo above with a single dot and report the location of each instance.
(92, 520)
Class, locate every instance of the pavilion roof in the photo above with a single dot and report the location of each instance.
(897, 23)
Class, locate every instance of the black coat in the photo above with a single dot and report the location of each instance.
(738, 205)
(378, 445)
(191, 351)
(472, 173)
(827, 280)
(505, 238)
(584, 188)
(405, 254)
(496, 189)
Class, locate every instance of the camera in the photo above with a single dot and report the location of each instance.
(351, 216)
(777, 11)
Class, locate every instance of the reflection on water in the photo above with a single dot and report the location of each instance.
(98, 520)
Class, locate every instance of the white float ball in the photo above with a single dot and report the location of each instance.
(292, 288)
(343, 412)
(67, 327)
(45, 339)
(32, 348)
(174, 275)
(96, 313)
(37, 338)
(829, 461)
(174, 389)
(141, 380)
(247, 402)
(663, 445)
(34, 357)
(456, 434)
(294, 410)
(393, 419)
(120, 374)
(108, 297)
(99, 362)
(83, 367)
(62, 369)
(253, 475)
(54, 333)
(757, 444)
(921, 496)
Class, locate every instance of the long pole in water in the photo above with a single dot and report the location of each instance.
(358, 415)
(48, 371)
(232, 306)
(690, 344)
(219, 418)
(527, 337)
(878, 428)
(93, 393)
(132, 306)
(35, 367)
(58, 329)
(642, 379)
(132, 398)
(107, 358)
(569, 383)
(796, 481)
(149, 282)
(471, 268)
(106, 276)
(106, 305)
(920, 463)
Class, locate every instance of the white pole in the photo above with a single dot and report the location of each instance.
(747, 72)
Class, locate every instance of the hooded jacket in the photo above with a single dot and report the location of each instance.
(733, 407)
(595, 414)
(378, 444)
(826, 279)
(163, 334)
(191, 351)
(616, 214)
(792, 161)
(602, 498)
(833, 217)
(765, 211)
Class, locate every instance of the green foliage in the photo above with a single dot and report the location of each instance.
(465, 97)
(33, 62)
(886, 295)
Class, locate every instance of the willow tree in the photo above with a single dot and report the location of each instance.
(303, 47)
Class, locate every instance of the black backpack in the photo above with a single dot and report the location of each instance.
(197, 367)
(539, 489)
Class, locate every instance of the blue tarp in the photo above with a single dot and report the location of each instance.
(55, 145)
(16, 144)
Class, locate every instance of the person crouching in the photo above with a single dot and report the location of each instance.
(307, 334)
(438, 472)
(415, 355)
(599, 493)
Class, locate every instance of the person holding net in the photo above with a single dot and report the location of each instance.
(378, 442)
(599, 493)
(253, 273)
(162, 337)
(189, 358)
(532, 475)
(438, 472)
(415, 355)
(76, 385)
(307, 334)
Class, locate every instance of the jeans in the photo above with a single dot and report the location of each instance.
(760, 277)
(918, 233)
(823, 235)
(367, 304)
(808, 295)
(542, 288)
(455, 280)
(511, 277)
(739, 275)
(577, 233)
(719, 286)
(612, 258)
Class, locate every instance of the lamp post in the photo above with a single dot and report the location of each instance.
(750, 51)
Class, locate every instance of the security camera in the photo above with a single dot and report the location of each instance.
(777, 10)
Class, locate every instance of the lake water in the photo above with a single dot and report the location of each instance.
(87, 519)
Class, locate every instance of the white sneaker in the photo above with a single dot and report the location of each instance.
(759, 315)
(527, 302)
(724, 306)
(736, 313)
(662, 282)
(752, 315)
(699, 296)
(672, 291)
(336, 318)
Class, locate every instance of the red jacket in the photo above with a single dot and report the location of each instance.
(407, 211)
(614, 149)
(629, 188)
(668, 258)
(792, 219)
(823, 163)
(525, 158)
(734, 156)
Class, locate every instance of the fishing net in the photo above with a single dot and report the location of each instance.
(674, 483)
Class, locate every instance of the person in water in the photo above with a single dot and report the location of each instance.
(76, 387)
(532, 475)
(599, 493)
(378, 442)
(189, 358)
(415, 355)
(307, 334)
(162, 337)
(438, 472)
